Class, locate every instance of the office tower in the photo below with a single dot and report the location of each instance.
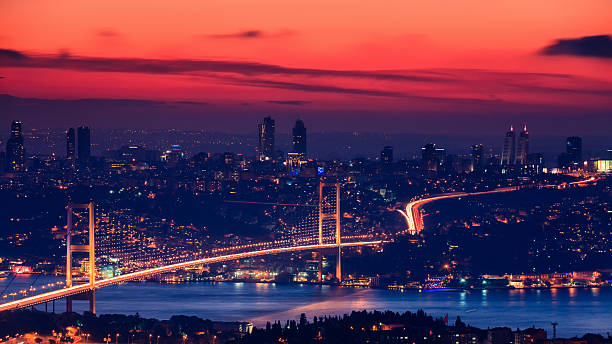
(15, 152)
(432, 157)
(508, 152)
(70, 143)
(573, 146)
(477, 158)
(386, 155)
(522, 149)
(299, 137)
(83, 144)
(266, 139)
(572, 157)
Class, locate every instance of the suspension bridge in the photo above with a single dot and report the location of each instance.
(139, 258)
(321, 230)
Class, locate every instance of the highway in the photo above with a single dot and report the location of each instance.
(414, 220)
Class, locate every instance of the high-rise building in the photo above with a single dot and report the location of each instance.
(386, 155)
(83, 144)
(573, 146)
(508, 152)
(266, 139)
(477, 157)
(299, 137)
(70, 143)
(15, 151)
(572, 157)
(432, 157)
(522, 149)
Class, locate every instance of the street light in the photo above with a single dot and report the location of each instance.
(117, 338)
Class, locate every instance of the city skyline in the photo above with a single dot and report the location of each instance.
(297, 172)
(512, 152)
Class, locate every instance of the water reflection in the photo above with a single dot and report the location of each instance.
(581, 310)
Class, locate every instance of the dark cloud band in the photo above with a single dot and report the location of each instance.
(589, 46)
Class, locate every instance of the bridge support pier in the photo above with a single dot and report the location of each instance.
(320, 273)
(339, 264)
(88, 296)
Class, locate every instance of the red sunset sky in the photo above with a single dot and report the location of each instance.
(360, 60)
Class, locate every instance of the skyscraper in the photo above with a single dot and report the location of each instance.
(299, 137)
(15, 152)
(523, 148)
(573, 146)
(70, 143)
(386, 155)
(432, 157)
(266, 139)
(477, 162)
(83, 144)
(508, 152)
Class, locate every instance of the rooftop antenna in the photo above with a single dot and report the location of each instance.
(554, 325)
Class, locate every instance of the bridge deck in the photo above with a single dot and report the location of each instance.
(61, 293)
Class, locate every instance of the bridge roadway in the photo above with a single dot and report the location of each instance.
(81, 288)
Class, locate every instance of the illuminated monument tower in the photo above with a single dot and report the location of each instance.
(85, 248)
(522, 149)
(507, 157)
(266, 139)
(15, 152)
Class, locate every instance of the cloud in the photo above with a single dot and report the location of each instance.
(11, 54)
(288, 102)
(316, 88)
(251, 34)
(589, 46)
(107, 33)
(13, 58)
(354, 91)
(242, 35)
(188, 102)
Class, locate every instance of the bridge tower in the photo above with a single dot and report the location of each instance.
(88, 248)
(334, 214)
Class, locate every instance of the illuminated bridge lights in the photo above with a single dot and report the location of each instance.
(61, 293)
